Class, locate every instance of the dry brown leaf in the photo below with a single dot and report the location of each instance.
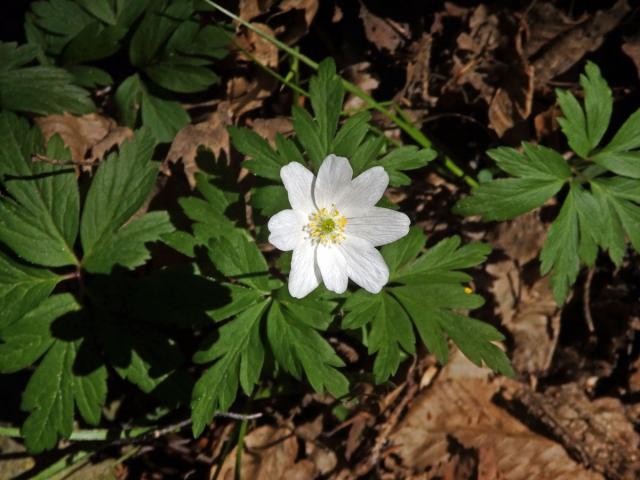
(360, 75)
(416, 88)
(524, 301)
(631, 47)
(458, 408)
(79, 134)
(114, 138)
(268, 128)
(310, 8)
(250, 9)
(512, 103)
(211, 134)
(244, 96)
(258, 47)
(383, 32)
(269, 454)
(544, 22)
(568, 48)
(595, 431)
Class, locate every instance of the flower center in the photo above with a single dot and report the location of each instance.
(326, 226)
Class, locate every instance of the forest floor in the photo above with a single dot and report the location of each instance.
(472, 76)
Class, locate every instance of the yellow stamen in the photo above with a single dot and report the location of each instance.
(326, 226)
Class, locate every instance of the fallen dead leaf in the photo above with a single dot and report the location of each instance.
(310, 8)
(524, 300)
(249, 9)
(268, 128)
(566, 49)
(543, 22)
(631, 47)
(244, 96)
(360, 75)
(458, 409)
(269, 454)
(79, 134)
(595, 431)
(384, 33)
(416, 88)
(211, 134)
(258, 47)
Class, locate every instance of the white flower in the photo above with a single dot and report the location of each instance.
(333, 226)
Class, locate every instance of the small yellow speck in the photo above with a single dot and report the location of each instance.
(468, 290)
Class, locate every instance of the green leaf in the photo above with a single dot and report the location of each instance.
(181, 77)
(25, 341)
(164, 118)
(574, 124)
(49, 397)
(308, 132)
(22, 289)
(128, 100)
(264, 161)
(598, 103)
(433, 318)
(240, 354)
(622, 163)
(40, 221)
(327, 94)
(351, 134)
(398, 254)
(542, 172)
(237, 256)
(558, 256)
(126, 247)
(145, 357)
(52, 391)
(391, 333)
(41, 90)
(119, 188)
(627, 137)
(269, 199)
(298, 347)
(367, 154)
(405, 158)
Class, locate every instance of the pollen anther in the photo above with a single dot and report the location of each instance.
(326, 226)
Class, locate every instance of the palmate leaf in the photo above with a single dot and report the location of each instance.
(22, 288)
(426, 293)
(39, 220)
(56, 385)
(37, 89)
(239, 355)
(293, 332)
(120, 186)
(540, 173)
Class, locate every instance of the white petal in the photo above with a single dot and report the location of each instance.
(333, 267)
(334, 178)
(378, 226)
(286, 229)
(304, 276)
(299, 184)
(364, 192)
(365, 265)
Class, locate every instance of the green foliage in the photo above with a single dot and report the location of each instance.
(167, 45)
(75, 339)
(601, 206)
(37, 89)
(425, 294)
(320, 136)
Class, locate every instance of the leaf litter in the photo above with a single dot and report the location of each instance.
(456, 421)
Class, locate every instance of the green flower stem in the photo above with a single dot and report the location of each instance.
(406, 126)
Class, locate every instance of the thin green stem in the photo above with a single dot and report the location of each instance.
(405, 125)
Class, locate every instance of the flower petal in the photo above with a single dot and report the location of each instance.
(378, 226)
(365, 265)
(299, 184)
(334, 178)
(304, 276)
(364, 192)
(286, 229)
(333, 267)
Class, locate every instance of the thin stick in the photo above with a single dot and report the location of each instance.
(37, 157)
(586, 300)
